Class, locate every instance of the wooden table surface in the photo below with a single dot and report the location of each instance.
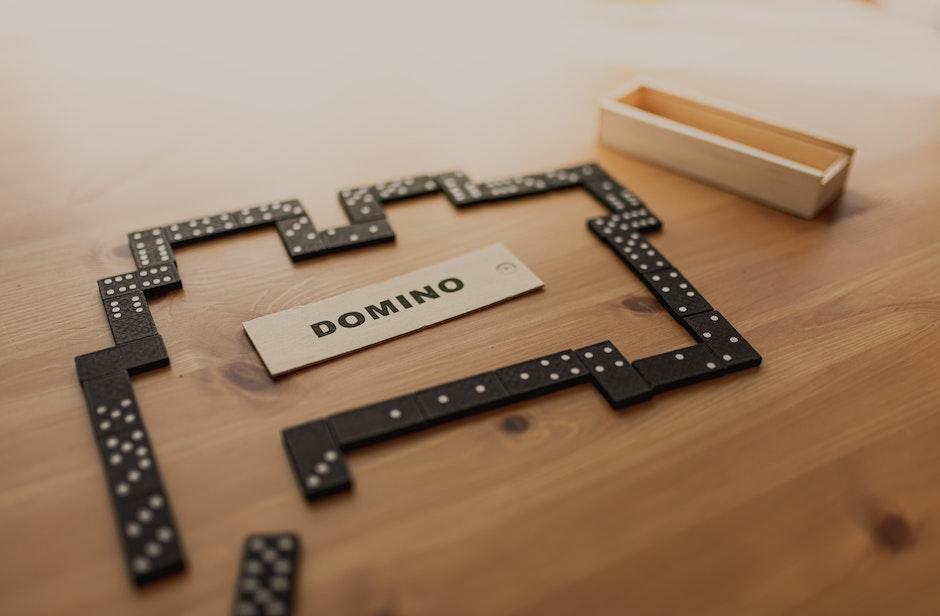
(807, 486)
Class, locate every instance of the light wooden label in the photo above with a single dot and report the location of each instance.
(308, 334)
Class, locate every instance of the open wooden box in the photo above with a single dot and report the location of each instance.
(711, 141)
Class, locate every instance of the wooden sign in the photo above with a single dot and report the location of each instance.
(308, 334)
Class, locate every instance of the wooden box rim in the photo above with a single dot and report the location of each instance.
(615, 103)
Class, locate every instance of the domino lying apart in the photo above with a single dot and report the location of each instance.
(266, 575)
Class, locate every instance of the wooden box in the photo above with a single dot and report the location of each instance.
(718, 144)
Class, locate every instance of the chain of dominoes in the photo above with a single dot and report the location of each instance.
(145, 522)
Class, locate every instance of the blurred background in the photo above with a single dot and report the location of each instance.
(328, 89)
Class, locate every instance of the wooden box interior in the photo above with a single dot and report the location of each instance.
(824, 157)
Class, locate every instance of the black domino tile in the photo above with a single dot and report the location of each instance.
(713, 329)
(132, 357)
(100, 363)
(570, 177)
(680, 367)
(129, 317)
(627, 222)
(641, 219)
(151, 281)
(300, 237)
(129, 464)
(151, 542)
(459, 189)
(204, 228)
(266, 575)
(612, 195)
(354, 236)
(112, 407)
(576, 175)
(542, 375)
(517, 186)
(375, 422)
(637, 252)
(676, 293)
(150, 247)
(406, 188)
(144, 354)
(316, 459)
(362, 204)
(463, 397)
(613, 375)
(268, 213)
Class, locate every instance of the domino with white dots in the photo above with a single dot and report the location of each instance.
(147, 530)
(355, 236)
(268, 213)
(129, 317)
(376, 422)
(317, 459)
(129, 464)
(266, 575)
(463, 397)
(205, 228)
(680, 367)
(125, 448)
(300, 237)
(150, 247)
(542, 375)
(111, 404)
(676, 294)
(459, 189)
(713, 329)
(362, 204)
(637, 252)
(406, 188)
(571, 177)
(613, 375)
(151, 281)
(516, 186)
(612, 195)
(639, 220)
(152, 547)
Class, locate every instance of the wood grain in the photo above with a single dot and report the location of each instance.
(807, 486)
